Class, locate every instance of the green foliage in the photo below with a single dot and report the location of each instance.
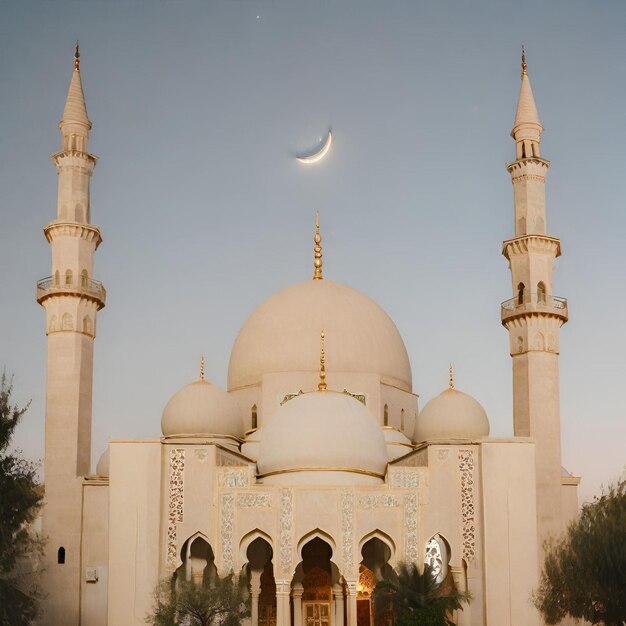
(20, 499)
(416, 598)
(584, 572)
(224, 601)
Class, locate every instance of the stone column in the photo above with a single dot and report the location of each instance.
(338, 597)
(296, 594)
(255, 591)
(351, 586)
(282, 603)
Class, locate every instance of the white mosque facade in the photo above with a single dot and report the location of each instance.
(313, 472)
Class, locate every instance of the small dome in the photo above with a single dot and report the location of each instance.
(396, 442)
(282, 335)
(323, 434)
(452, 415)
(102, 467)
(202, 409)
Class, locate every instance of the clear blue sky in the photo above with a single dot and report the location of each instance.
(198, 107)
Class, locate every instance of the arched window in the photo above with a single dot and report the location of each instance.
(520, 294)
(57, 278)
(386, 416)
(253, 417)
(402, 419)
(61, 555)
(67, 322)
(84, 279)
(87, 327)
(68, 277)
(437, 557)
(541, 293)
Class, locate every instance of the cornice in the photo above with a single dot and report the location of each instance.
(88, 232)
(531, 243)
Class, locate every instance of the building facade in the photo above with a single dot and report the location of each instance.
(313, 472)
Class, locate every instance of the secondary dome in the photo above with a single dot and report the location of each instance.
(282, 335)
(452, 415)
(202, 409)
(323, 432)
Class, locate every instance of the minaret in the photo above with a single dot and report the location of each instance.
(71, 298)
(534, 315)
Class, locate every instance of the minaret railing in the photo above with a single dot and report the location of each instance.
(536, 302)
(79, 286)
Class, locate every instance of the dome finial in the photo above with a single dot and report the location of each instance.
(317, 263)
(322, 384)
(451, 379)
(77, 57)
(202, 367)
(524, 72)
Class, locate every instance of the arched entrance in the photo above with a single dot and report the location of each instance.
(374, 567)
(198, 561)
(317, 591)
(262, 583)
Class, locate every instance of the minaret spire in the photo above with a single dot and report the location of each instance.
(75, 124)
(451, 378)
(527, 127)
(317, 263)
(202, 367)
(534, 315)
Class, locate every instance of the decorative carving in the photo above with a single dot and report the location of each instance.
(434, 558)
(254, 500)
(226, 528)
(367, 582)
(357, 396)
(377, 501)
(233, 478)
(466, 469)
(410, 528)
(347, 531)
(176, 502)
(286, 530)
(202, 454)
(291, 396)
(402, 478)
(442, 455)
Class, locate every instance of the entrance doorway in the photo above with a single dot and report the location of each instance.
(316, 613)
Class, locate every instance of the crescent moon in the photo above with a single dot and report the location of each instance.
(320, 154)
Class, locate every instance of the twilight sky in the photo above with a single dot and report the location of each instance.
(198, 108)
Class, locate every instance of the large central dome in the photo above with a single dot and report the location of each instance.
(282, 335)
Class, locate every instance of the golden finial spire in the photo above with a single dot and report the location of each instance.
(317, 263)
(202, 367)
(524, 72)
(451, 380)
(77, 57)
(322, 383)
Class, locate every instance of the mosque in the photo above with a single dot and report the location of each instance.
(313, 472)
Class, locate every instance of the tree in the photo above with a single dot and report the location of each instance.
(20, 500)
(584, 572)
(223, 601)
(416, 598)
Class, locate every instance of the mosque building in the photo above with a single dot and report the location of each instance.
(313, 472)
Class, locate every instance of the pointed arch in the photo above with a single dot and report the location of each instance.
(319, 534)
(253, 417)
(384, 537)
(250, 537)
(386, 415)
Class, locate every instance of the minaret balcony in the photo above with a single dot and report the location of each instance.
(534, 304)
(83, 288)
